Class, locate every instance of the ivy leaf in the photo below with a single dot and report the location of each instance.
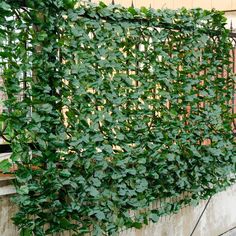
(5, 166)
(137, 225)
(26, 232)
(100, 215)
(93, 191)
(154, 217)
(65, 173)
(24, 189)
(5, 6)
(65, 223)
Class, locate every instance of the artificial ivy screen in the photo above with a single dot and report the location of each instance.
(110, 109)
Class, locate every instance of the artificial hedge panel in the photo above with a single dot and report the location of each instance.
(118, 107)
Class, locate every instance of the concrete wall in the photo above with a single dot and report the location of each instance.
(219, 217)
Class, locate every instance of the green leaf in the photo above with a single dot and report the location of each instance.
(36, 117)
(154, 217)
(65, 173)
(137, 225)
(93, 191)
(42, 36)
(100, 215)
(23, 190)
(5, 6)
(5, 166)
(46, 108)
(26, 232)
(96, 182)
(65, 223)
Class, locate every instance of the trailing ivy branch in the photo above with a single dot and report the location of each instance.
(121, 107)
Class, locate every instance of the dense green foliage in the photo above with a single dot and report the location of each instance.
(120, 107)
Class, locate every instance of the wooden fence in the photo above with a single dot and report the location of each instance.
(174, 4)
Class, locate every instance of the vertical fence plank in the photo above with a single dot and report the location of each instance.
(162, 4)
(223, 5)
(125, 3)
(183, 3)
(142, 3)
(202, 3)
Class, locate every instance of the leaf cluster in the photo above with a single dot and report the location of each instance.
(112, 108)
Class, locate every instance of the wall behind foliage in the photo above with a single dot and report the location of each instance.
(174, 4)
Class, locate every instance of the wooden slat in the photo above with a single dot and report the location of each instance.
(7, 190)
(142, 3)
(125, 3)
(222, 5)
(206, 4)
(162, 4)
(183, 3)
